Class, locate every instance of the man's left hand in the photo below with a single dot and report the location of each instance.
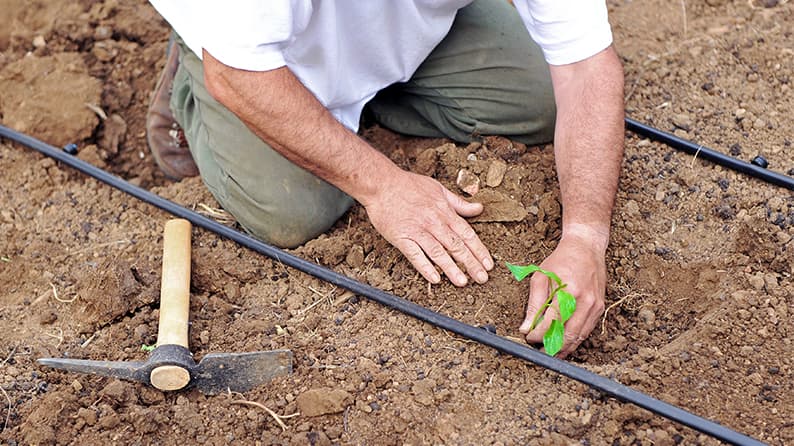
(580, 263)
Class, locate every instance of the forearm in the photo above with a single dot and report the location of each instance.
(588, 143)
(281, 111)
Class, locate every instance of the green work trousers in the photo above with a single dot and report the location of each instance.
(487, 77)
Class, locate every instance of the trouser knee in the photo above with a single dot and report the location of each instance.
(286, 218)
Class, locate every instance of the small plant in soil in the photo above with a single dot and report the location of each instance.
(566, 305)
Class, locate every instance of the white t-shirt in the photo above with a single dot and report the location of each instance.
(345, 51)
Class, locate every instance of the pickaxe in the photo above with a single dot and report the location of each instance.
(170, 365)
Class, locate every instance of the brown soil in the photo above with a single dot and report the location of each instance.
(700, 297)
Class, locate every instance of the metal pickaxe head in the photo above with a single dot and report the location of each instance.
(170, 365)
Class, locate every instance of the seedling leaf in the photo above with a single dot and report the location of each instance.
(552, 276)
(520, 272)
(148, 348)
(567, 304)
(552, 340)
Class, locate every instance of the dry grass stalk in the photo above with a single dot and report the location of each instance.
(279, 418)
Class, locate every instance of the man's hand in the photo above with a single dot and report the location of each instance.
(579, 261)
(588, 149)
(422, 219)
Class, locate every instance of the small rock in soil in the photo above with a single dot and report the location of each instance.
(141, 332)
(150, 396)
(648, 317)
(426, 162)
(499, 208)
(757, 281)
(423, 391)
(48, 317)
(109, 420)
(102, 33)
(116, 391)
(490, 328)
(355, 257)
(725, 212)
(89, 416)
(496, 173)
(682, 121)
(39, 42)
(322, 401)
(468, 182)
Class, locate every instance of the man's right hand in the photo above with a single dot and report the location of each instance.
(415, 213)
(423, 219)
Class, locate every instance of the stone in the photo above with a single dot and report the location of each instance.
(648, 317)
(426, 162)
(89, 416)
(682, 121)
(322, 401)
(468, 182)
(498, 207)
(39, 42)
(423, 391)
(355, 256)
(496, 173)
(116, 391)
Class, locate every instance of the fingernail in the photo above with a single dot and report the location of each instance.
(524, 328)
(482, 277)
(434, 277)
(488, 263)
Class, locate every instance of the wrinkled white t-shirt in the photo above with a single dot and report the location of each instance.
(345, 51)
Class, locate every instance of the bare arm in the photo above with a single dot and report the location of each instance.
(414, 213)
(588, 148)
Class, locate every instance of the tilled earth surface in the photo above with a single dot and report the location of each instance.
(700, 299)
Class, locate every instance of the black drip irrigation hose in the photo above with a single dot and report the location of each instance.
(600, 383)
(709, 154)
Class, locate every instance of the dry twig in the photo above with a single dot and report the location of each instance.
(343, 298)
(218, 215)
(10, 355)
(55, 295)
(96, 109)
(59, 337)
(625, 298)
(88, 341)
(279, 418)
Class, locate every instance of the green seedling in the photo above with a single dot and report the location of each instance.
(5, 259)
(566, 303)
(148, 348)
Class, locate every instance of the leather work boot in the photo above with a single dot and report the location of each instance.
(166, 140)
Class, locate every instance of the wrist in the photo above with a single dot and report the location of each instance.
(377, 179)
(597, 235)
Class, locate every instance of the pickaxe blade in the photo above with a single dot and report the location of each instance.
(129, 370)
(215, 373)
(239, 372)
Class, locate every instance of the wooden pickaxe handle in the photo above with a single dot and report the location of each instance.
(174, 302)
